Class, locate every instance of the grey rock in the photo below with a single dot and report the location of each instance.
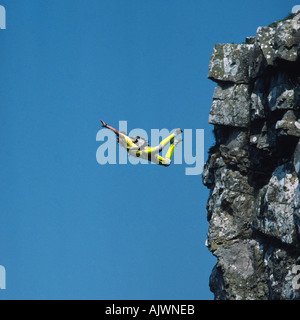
(287, 39)
(240, 266)
(276, 206)
(253, 171)
(281, 93)
(296, 159)
(288, 125)
(265, 37)
(279, 266)
(291, 128)
(229, 62)
(297, 210)
(259, 100)
(257, 61)
(231, 106)
(278, 41)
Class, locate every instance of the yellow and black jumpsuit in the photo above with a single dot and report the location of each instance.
(147, 152)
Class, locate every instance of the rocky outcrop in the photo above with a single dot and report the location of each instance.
(253, 170)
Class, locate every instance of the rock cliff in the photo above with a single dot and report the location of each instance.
(253, 170)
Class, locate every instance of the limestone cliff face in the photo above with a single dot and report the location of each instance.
(253, 171)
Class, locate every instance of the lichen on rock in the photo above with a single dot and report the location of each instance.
(253, 171)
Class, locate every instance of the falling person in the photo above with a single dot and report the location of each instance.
(139, 147)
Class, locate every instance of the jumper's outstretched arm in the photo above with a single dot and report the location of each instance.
(110, 128)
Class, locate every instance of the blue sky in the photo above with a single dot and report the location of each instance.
(71, 228)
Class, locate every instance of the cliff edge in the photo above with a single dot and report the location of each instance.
(253, 170)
